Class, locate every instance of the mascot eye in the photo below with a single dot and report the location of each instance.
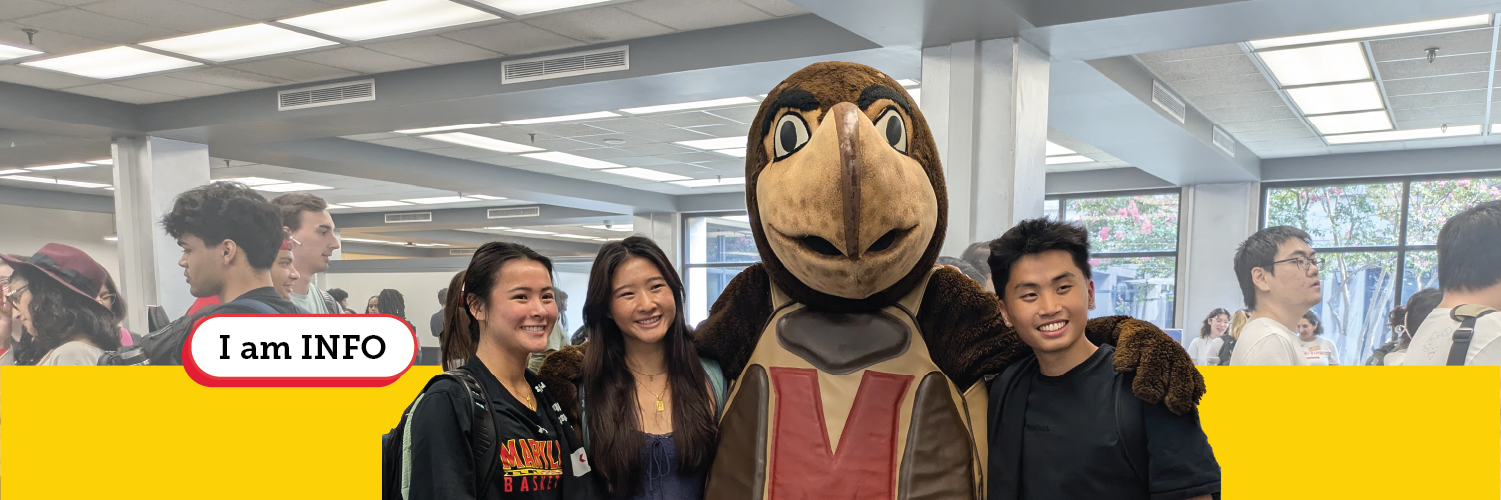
(791, 134)
(891, 125)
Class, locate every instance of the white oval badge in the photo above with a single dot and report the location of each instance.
(299, 350)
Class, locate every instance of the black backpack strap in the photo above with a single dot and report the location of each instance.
(1130, 426)
(482, 441)
(1466, 315)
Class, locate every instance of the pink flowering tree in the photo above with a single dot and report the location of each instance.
(1144, 223)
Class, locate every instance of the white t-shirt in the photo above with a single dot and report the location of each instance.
(1201, 349)
(313, 301)
(73, 353)
(1267, 342)
(1430, 345)
(1319, 352)
(1394, 358)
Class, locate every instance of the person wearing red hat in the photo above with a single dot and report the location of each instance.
(53, 296)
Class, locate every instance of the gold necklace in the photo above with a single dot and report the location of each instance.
(526, 394)
(660, 406)
(649, 377)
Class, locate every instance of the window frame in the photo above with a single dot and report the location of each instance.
(685, 265)
(1063, 198)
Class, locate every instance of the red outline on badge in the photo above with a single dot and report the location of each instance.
(204, 379)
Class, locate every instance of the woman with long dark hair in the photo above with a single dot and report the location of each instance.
(54, 295)
(110, 297)
(1205, 349)
(508, 302)
(648, 401)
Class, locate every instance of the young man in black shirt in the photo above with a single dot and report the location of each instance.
(1059, 426)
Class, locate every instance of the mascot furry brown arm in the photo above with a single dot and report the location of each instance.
(856, 362)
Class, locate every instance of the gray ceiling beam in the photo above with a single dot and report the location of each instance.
(458, 218)
(1466, 159)
(473, 239)
(716, 202)
(38, 109)
(1095, 181)
(60, 150)
(60, 200)
(398, 251)
(427, 265)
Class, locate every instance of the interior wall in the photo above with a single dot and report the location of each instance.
(24, 230)
(1215, 219)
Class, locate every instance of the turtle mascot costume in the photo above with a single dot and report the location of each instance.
(859, 367)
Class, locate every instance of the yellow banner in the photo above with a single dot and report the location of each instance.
(151, 432)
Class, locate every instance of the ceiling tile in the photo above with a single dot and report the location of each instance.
(1416, 47)
(628, 125)
(1446, 112)
(167, 14)
(11, 9)
(372, 137)
(1439, 122)
(1262, 125)
(1420, 68)
(1436, 100)
(560, 144)
(599, 25)
(615, 140)
(230, 77)
(262, 10)
(41, 78)
(779, 8)
(686, 15)
(96, 25)
(564, 129)
(643, 161)
(1191, 89)
(1284, 144)
(1261, 99)
(734, 130)
(1172, 71)
(507, 133)
(514, 38)
(122, 94)
(1291, 153)
(694, 156)
(174, 86)
(360, 59)
(1448, 83)
(461, 152)
(729, 164)
(518, 161)
(671, 135)
(658, 149)
(690, 119)
(604, 153)
(1250, 114)
(1228, 49)
(51, 42)
(294, 70)
(743, 114)
(1274, 135)
(414, 143)
(433, 49)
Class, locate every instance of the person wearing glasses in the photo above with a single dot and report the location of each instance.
(54, 297)
(1279, 280)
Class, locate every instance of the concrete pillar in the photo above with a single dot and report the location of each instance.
(664, 229)
(987, 104)
(149, 173)
(1213, 221)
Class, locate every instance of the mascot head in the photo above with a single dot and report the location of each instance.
(844, 188)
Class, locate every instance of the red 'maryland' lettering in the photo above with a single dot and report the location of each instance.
(802, 463)
(508, 458)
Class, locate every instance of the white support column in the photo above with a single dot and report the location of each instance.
(149, 173)
(987, 105)
(663, 229)
(1213, 221)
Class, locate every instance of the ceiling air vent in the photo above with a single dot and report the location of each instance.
(1170, 103)
(506, 213)
(409, 217)
(1223, 140)
(565, 65)
(325, 95)
(460, 252)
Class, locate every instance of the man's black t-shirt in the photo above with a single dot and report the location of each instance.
(536, 456)
(1072, 448)
(436, 323)
(265, 295)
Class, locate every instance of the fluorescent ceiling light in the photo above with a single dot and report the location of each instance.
(722, 143)
(252, 181)
(361, 240)
(1395, 29)
(1322, 64)
(13, 171)
(737, 218)
(530, 231)
(60, 166)
(573, 160)
(112, 63)
(376, 204)
(335, 206)
(916, 96)
(240, 43)
(446, 127)
(524, 7)
(482, 142)
(735, 152)
(1404, 135)
(8, 52)
(1056, 150)
(111, 238)
(625, 228)
(1351, 122)
(907, 83)
(723, 181)
(64, 182)
(440, 200)
(486, 197)
(48, 180)
(565, 118)
(1065, 160)
(497, 228)
(388, 18)
(1494, 129)
(690, 105)
(1359, 96)
(106, 161)
(290, 187)
(648, 174)
(578, 237)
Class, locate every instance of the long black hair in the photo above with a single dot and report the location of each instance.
(479, 278)
(610, 389)
(392, 303)
(1205, 329)
(58, 314)
(117, 303)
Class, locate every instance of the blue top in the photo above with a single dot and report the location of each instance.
(659, 476)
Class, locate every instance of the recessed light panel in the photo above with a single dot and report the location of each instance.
(290, 187)
(389, 18)
(1340, 98)
(8, 52)
(1377, 31)
(907, 83)
(1342, 62)
(1065, 160)
(1056, 150)
(1351, 122)
(482, 142)
(335, 206)
(60, 166)
(524, 7)
(440, 200)
(106, 161)
(252, 181)
(573, 160)
(65, 182)
(240, 42)
(624, 228)
(565, 118)
(13, 171)
(112, 63)
(485, 197)
(732, 101)
(722, 143)
(724, 181)
(49, 180)
(648, 174)
(735, 152)
(530, 231)
(446, 127)
(376, 204)
(1405, 135)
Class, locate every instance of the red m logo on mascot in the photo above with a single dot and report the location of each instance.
(803, 463)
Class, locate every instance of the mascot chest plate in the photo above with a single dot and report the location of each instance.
(845, 406)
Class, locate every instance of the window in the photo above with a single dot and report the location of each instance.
(1134, 249)
(718, 247)
(1378, 238)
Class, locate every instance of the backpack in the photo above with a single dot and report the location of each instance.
(1226, 349)
(1466, 315)
(716, 383)
(395, 455)
(164, 346)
